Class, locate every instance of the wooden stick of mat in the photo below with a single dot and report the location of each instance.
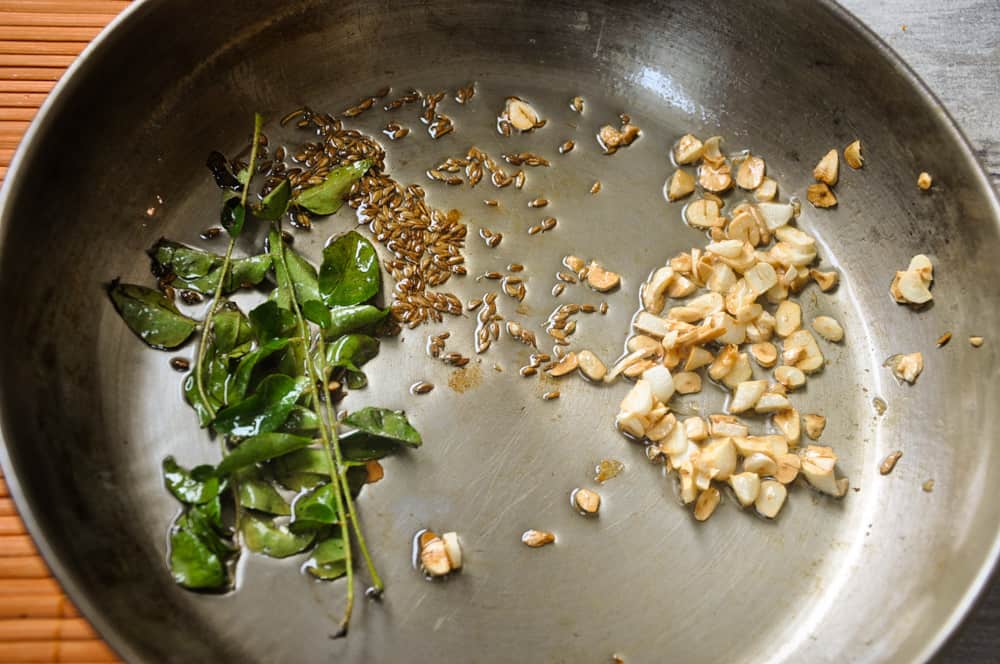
(56, 651)
(64, 6)
(36, 606)
(45, 629)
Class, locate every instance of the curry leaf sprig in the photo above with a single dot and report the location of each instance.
(261, 384)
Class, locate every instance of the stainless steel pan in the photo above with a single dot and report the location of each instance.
(88, 412)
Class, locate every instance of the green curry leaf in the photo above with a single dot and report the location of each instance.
(263, 411)
(261, 496)
(327, 197)
(329, 559)
(353, 318)
(184, 487)
(193, 564)
(385, 423)
(151, 316)
(273, 206)
(199, 270)
(262, 447)
(264, 536)
(350, 272)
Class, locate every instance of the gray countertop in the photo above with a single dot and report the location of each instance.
(954, 46)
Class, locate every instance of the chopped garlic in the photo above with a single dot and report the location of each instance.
(889, 462)
(820, 196)
(453, 549)
(787, 421)
(681, 184)
(698, 357)
(746, 395)
(704, 213)
(434, 556)
(818, 464)
(788, 318)
(695, 429)
(977, 341)
(716, 178)
(688, 149)
(707, 501)
(771, 498)
(825, 280)
(924, 180)
(789, 466)
(827, 170)
(566, 365)
(775, 215)
(687, 382)
(750, 174)
(600, 279)
(804, 344)
(906, 367)
(741, 371)
(591, 366)
(814, 425)
(746, 486)
(764, 353)
(587, 501)
(772, 403)
(717, 458)
(536, 538)
(653, 291)
(828, 328)
(760, 464)
(521, 114)
(852, 155)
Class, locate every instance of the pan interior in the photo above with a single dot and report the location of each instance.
(89, 412)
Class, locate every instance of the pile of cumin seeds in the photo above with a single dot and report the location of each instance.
(426, 244)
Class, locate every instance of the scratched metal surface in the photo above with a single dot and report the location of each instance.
(642, 579)
(965, 74)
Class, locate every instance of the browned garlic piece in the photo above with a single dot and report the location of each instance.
(852, 155)
(818, 464)
(688, 149)
(906, 367)
(828, 169)
(537, 538)
(820, 195)
(434, 555)
(912, 286)
(681, 184)
(521, 115)
(924, 180)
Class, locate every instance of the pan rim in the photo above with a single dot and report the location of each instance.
(61, 94)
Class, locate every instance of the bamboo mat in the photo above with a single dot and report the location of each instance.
(38, 40)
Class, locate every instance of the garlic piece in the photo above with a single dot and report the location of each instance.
(775, 215)
(653, 291)
(818, 464)
(814, 425)
(827, 170)
(825, 280)
(610, 139)
(788, 318)
(591, 366)
(772, 403)
(521, 114)
(746, 395)
(889, 462)
(788, 423)
(587, 501)
(453, 549)
(761, 464)
(764, 353)
(660, 382)
(704, 213)
(906, 367)
(536, 538)
(687, 382)
(698, 357)
(750, 174)
(767, 190)
(746, 486)
(688, 149)
(434, 557)
(924, 180)
(828, 328)
(566, 365)
(770, 498)
(977, 342)
(717, 458)
(852, 155)
(820, 196)
(600, 279)
(789, 466)
(662, 428)
(803, 343)
(741, 371)
(707, 501)
(681, 184)
(695, 429)
(910, 287)
(716, 178)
